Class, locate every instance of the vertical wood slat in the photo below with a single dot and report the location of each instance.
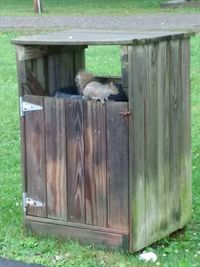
(124, 70)
(137, 85)
(79, 60)
(75, 157)
(174, 132)
(56, 158)
(151, 145)
(163, 139)
(60, 71)
(185, 131)
(117, 165)
(95, 164)
(21, 73)
(39, 68)
(35, 156)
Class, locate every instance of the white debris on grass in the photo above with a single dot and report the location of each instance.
(148, 256)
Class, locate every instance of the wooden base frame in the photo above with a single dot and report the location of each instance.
(111, 238)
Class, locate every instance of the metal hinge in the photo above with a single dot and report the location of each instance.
(27, 107)
(29, 202)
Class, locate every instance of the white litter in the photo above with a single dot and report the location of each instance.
(148, 256)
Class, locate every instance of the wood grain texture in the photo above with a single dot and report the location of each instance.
(91, 36)
(151, 144)
(40, 68)
(75, 156)
(33, 85)
(77, 225)
(60, 71)
(164, 193)
(174, 131)
(124, 68)
(56, 162)
(21, 74)
(79, 60)
(21, 70)
(185, 138)
(117, 165)
(95, 163)
(137, 85)
(89, 235)
(35, 156)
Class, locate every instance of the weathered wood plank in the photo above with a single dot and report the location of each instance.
(185, 137)
(35, 156)
(56, 168)
(124, 70)
(75, 157)
(163, 139)
(79, 60)
(95, 164)
(21, 74)
(60, 71)
(39, 68)
(117, 165)
(90, 36)
(151, 145)
(35, 52)
(97, 236)
(21, 70)
(33, 86)
(174, 131)
(137, 85)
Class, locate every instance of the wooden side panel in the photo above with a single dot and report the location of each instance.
(174, 131)
(117, 165)
(75, 157)
(137, 85)
(159, 140)
(56, 158)
(35, 156)
(151, 145)
(185, 138)
(60, 71)
(95, 164)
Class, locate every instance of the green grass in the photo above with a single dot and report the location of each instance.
(78, 7)
(180, 251)
(87, 7)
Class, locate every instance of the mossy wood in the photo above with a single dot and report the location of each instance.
(117, 174)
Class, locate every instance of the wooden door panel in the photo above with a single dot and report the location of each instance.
(56, 167)
(117, 165)
(77, 161)
(95, 163)
(35, 156)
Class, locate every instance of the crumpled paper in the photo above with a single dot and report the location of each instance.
(148, 256)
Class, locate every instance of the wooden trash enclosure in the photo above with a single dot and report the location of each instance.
(119, 173)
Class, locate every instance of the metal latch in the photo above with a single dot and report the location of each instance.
(125, 113)
(27, 107)
(29, 202)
